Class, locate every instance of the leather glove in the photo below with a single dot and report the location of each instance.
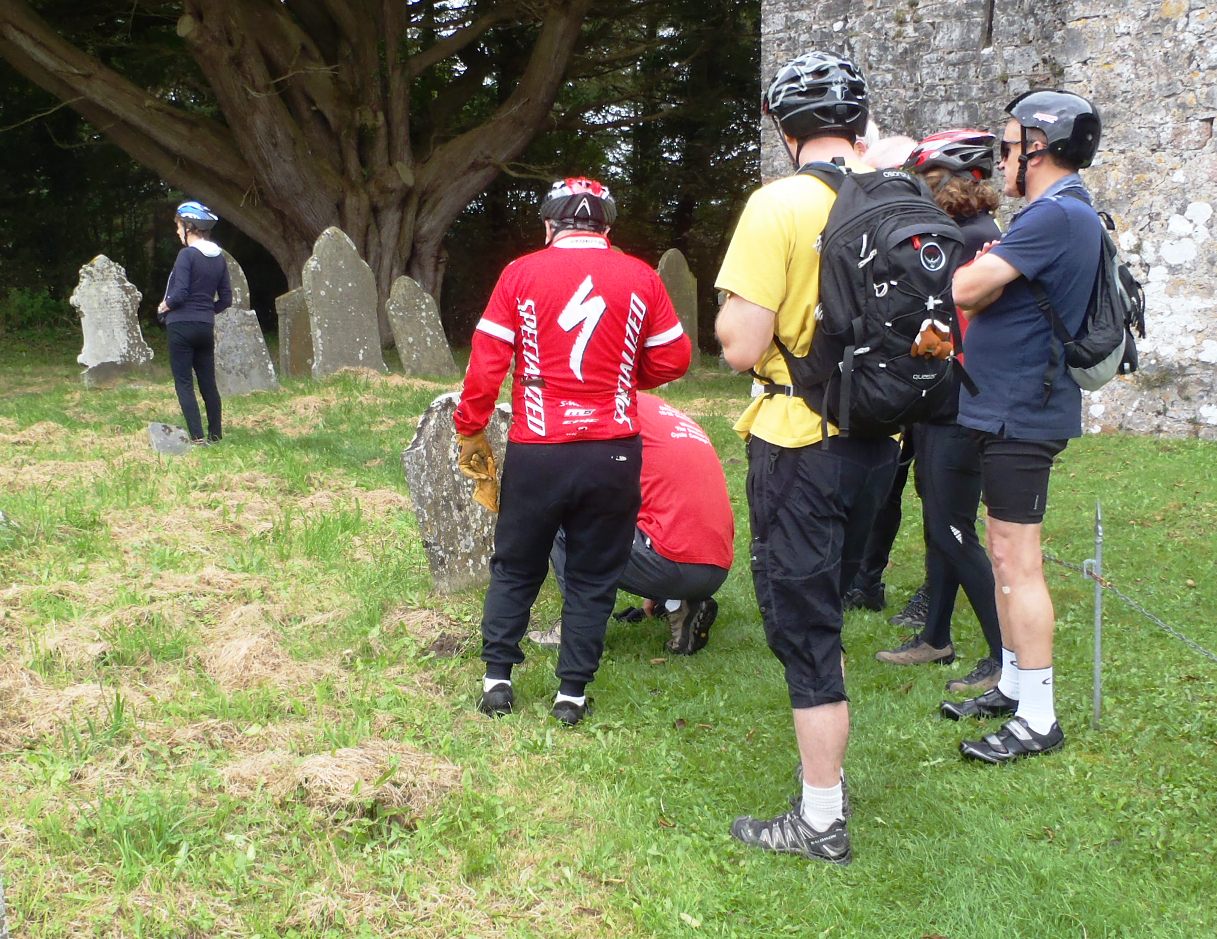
(933, 340)
(476, 461)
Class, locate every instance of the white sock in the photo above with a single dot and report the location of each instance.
(581, 700)
(821, 807)
(671, 606)
(1008, 683)
(1036, 704)
(488, 683)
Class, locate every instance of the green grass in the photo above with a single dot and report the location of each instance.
(125, 580)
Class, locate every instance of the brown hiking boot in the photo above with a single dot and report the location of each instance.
(690, 625)
(916, 651)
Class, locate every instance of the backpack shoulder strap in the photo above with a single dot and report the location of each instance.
(829, 174)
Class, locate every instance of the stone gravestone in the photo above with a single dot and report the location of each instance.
(682, 288)
(108, 304)
(242, 361)
(417, 331)
(295, 337)
(457, 533)
(166, 438)
(340, 290)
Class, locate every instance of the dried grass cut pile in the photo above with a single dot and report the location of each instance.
(388, 774)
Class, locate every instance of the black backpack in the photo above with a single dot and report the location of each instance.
(887, 254)
(1103, 346)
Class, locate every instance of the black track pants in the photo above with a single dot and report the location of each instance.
(810, 509)
(192, 353)
(590, 489)
(948, 477)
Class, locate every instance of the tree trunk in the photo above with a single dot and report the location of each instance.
(318, 125)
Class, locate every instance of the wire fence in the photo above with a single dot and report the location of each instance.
(1092, 569)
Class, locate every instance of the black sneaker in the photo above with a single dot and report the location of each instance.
(1015, 740)
(912, 617)
(990, 704)
(497, 700)
(796, 800)
(788, 833)
(983, 677)
(690, 624)
(873, 597)
(570, 713)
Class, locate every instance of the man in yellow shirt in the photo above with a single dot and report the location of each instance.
(810, 506)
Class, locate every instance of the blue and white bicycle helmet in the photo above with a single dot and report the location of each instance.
(197, 216)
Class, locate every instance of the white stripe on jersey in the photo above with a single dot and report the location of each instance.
(668, 335)
(494, 329)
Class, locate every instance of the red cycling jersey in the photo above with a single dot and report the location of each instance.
(587, 327)
(686, 511)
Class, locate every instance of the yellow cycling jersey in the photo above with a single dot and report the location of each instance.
(773, 261)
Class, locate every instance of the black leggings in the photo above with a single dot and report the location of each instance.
(948, 477)
(887, 523)
(192, 350)
(590, 489)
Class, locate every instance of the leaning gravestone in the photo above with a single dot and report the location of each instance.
(417, 331)
(108, 304)
(457, 533)
(682, 288)
(340, 291)
(166, 438)
(242, 361)
(295, 337)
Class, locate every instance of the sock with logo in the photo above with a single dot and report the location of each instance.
(821, 807)
(1008, 683)
(1035, 703)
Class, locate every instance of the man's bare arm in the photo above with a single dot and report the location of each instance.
(745, 330)
(977, 285)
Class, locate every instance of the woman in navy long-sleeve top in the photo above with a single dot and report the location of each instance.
(198, 289)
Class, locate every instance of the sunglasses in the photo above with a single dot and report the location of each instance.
(1006, 145)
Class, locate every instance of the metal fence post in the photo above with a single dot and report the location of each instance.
(1093, 568)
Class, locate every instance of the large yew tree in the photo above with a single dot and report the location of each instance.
(371, 115)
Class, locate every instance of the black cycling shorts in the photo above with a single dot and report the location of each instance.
(1014, 476)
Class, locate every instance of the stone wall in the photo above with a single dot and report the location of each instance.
(1151, 67)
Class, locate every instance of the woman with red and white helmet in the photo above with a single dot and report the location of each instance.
(956, 165)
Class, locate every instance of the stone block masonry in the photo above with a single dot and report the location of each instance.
(1150, 67)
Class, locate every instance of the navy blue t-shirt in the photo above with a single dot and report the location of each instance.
(1054, 240)
(199, 286)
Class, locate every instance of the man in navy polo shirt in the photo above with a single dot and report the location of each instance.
(1027, 407)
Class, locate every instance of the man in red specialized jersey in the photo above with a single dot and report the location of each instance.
(587, 327)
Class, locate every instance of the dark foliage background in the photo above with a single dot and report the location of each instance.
(660, 102)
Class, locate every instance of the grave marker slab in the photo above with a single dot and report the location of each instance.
(242, 361)
(340, 290)
(295, 336)
(108, 304)
(457, 533)
(166, 438)
(417, 331)
(682, 288)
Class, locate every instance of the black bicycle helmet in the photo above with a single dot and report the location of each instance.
(579, 202)
(197, 216)
(1069, 121)
(959, 152)
(818, 94)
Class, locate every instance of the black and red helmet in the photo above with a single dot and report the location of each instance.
(579, 202)
(960, 152)
(818, 93)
